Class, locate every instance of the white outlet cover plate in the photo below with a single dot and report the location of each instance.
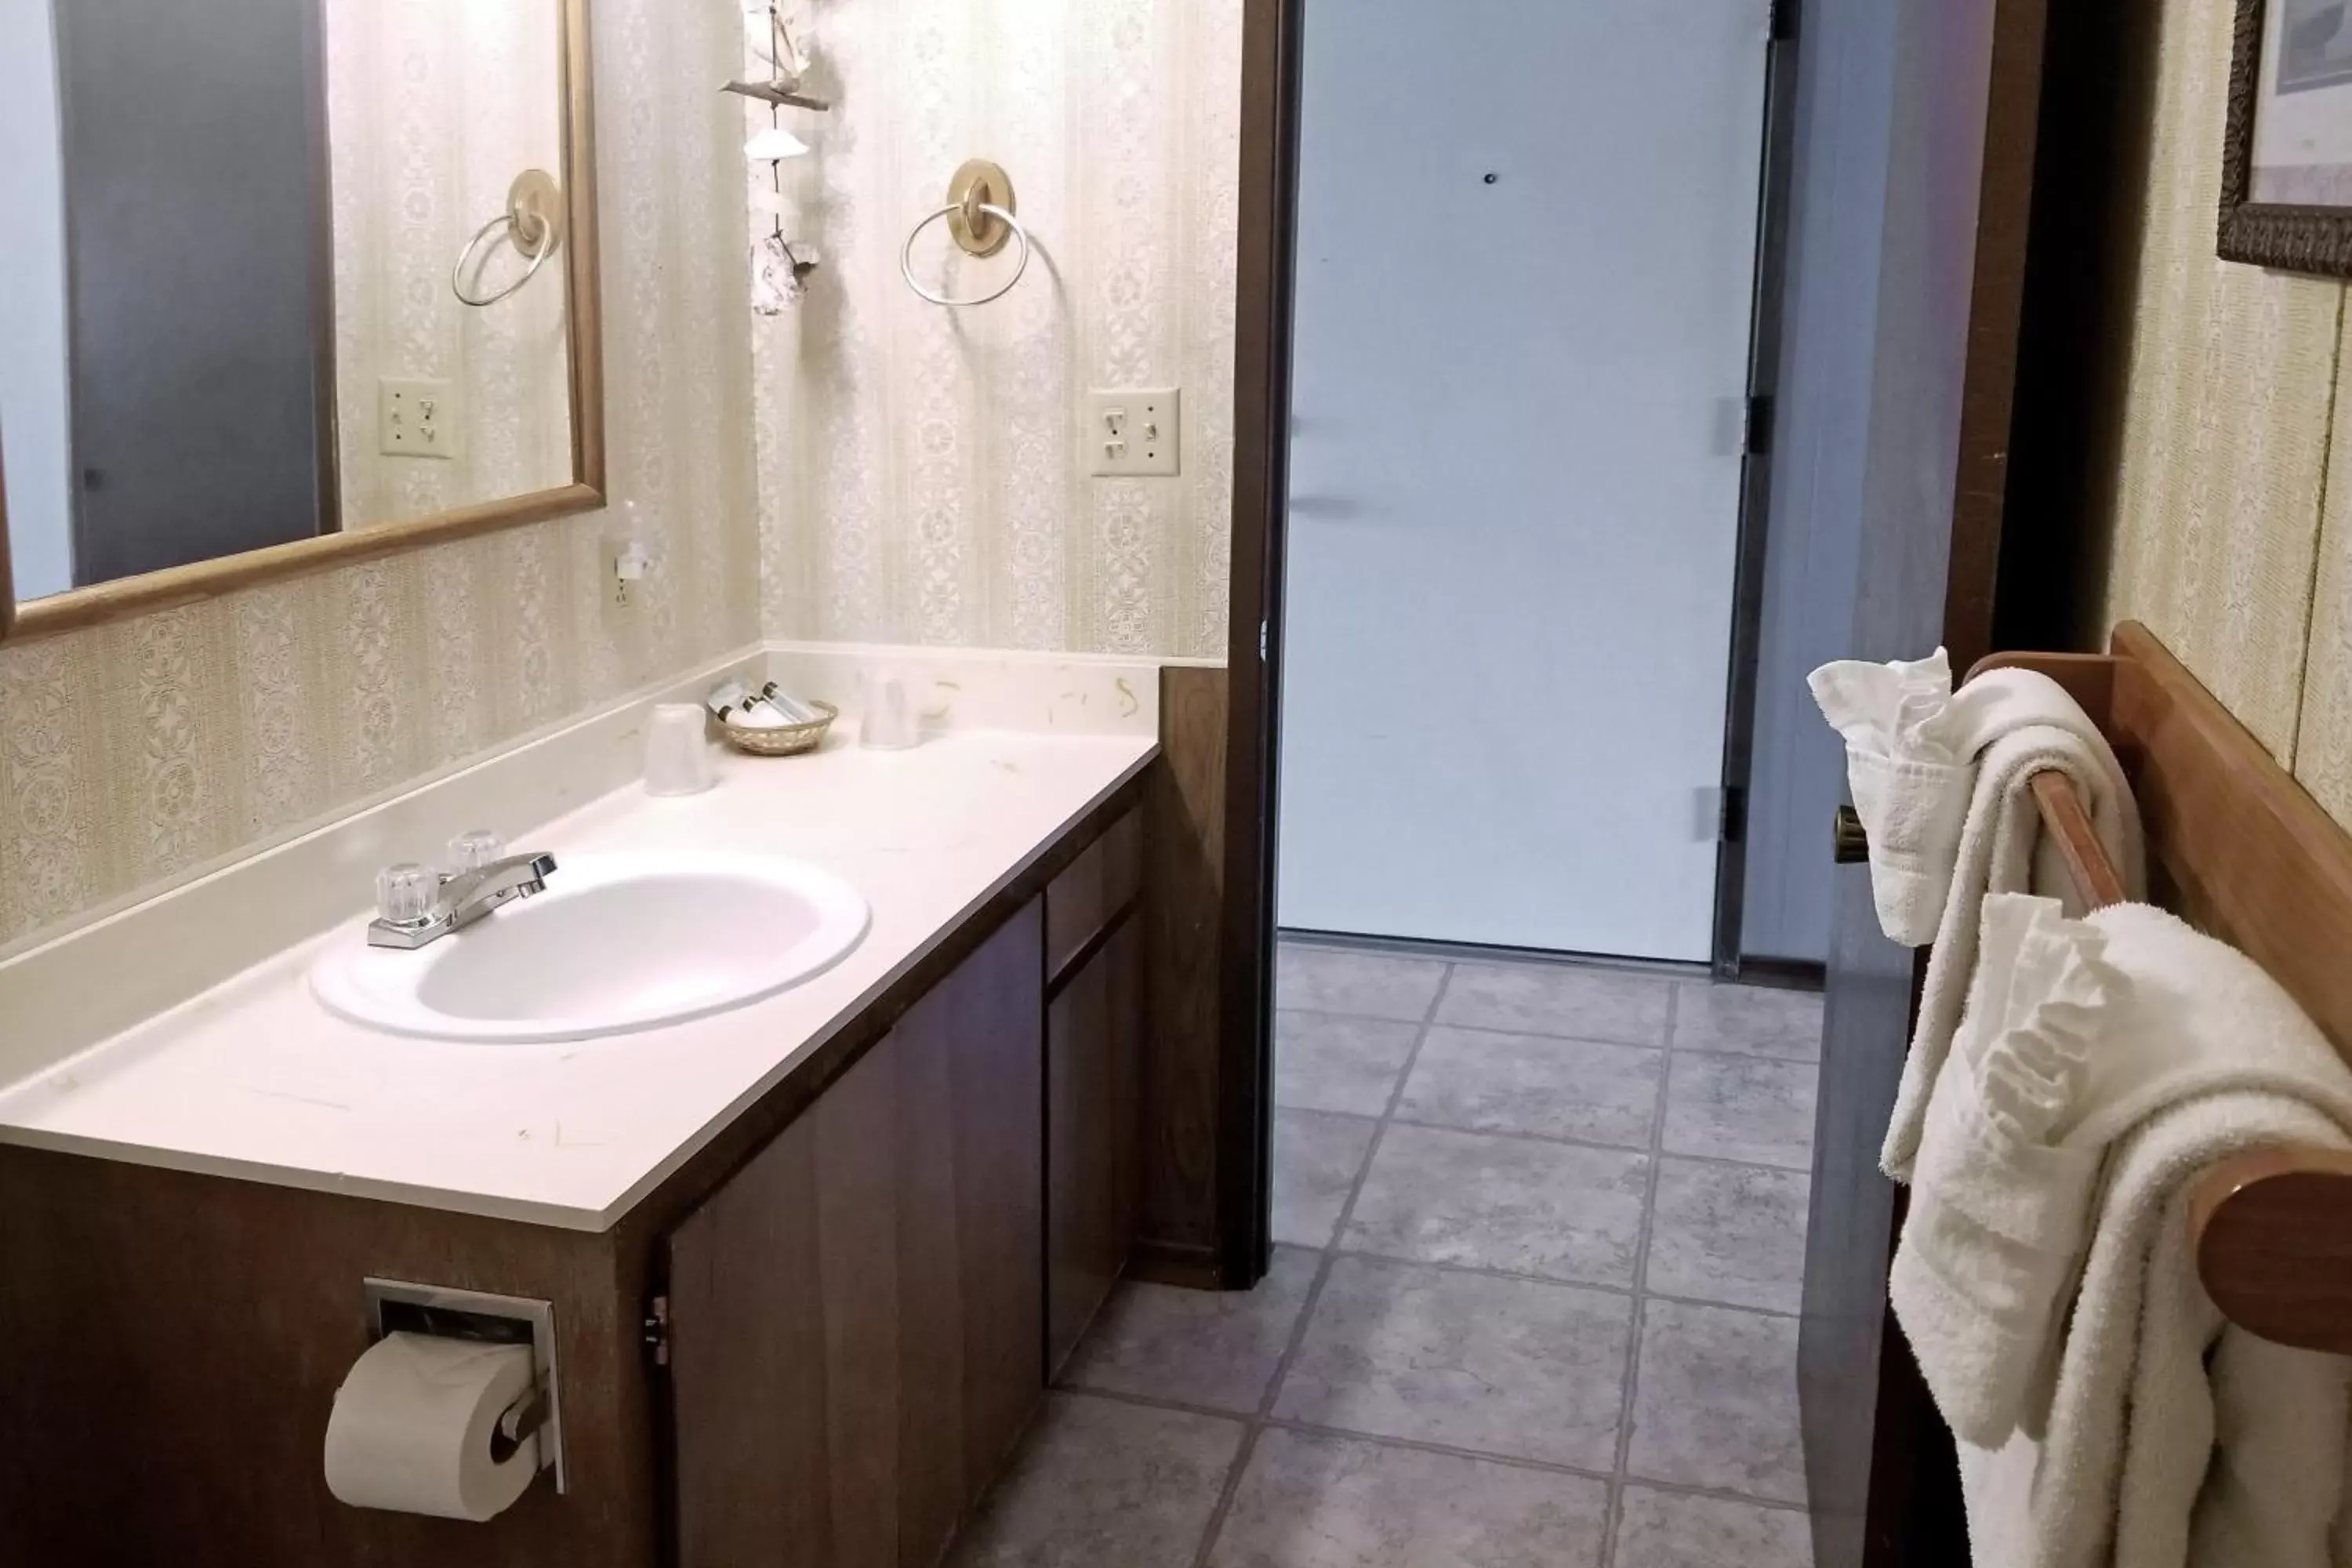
(417, 418)
(1135, 432)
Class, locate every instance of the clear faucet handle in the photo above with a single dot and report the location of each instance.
(404, 894)
(472, 851)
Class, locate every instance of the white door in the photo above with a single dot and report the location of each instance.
(1526, 248)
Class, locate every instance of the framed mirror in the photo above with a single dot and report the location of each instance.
(286, 284)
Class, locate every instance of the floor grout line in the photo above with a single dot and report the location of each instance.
(1630, 1391)
(1655, 1146)
(1215, 1526)
(1516, 1276)
(1420, 1446)
(1549, 1036)
(1651, 1147)
(1338, 1240)
(1331, 1254)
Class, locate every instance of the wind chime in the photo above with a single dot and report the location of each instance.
(780, 269)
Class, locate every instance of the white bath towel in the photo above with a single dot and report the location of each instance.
(2172, 1440)
(2037, 727)
(2102, 1064)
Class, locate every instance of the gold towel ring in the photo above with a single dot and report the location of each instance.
(979, 217)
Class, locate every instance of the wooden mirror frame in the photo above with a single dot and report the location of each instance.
(583, 329)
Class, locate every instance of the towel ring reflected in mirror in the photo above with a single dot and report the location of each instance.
(532, 223)
(550, 214)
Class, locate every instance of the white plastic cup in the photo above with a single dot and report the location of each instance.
(890, 723)
(677, 750)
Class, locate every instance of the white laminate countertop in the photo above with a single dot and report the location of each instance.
(255, 1079)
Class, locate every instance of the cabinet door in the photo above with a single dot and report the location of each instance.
(1093, 1043)
(783, 1366)
(971, 1229)
(856, 1314)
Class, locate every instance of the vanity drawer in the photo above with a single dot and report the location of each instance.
(1093, 893)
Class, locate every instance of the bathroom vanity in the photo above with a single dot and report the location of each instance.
(812, 1262)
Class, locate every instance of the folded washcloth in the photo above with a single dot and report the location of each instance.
(2109, 1415)
(1910, 773)
(2003, 850)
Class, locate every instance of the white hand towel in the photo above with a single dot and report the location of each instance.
(2155, 1435)
(2001, 850)
(2001, 1206)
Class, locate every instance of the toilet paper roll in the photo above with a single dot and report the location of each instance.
(412, 1425)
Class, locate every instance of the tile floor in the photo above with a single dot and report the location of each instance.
(1542, 1233)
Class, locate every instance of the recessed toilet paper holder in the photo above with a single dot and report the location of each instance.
(396, 1306)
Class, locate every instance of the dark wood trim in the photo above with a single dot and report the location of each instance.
(1087, 951)
(1783, 974)
(2299, 238)
(1767, 309)
(1913, 1516)
(328, 460)
(1185, 972)
(1995, 312)
(1186, 1266)
(7, 584)
(2092, 165)
(1269, 190)
(584, 322)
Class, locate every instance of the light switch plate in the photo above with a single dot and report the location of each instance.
(417, 418)
(1135, 432)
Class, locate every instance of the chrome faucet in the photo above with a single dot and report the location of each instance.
(417, 906)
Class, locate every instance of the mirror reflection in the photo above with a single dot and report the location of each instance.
(233, 314)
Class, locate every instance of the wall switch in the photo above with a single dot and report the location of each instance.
(416, 419)
(1135, 432)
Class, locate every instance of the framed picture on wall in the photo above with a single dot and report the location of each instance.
(2287, 162)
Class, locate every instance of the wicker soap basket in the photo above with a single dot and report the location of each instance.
(781, 740)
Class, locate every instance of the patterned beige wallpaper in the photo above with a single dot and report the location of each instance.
(2323, 756)
(2216, 519)
(921, 477)
(433, 106)
(142, 752)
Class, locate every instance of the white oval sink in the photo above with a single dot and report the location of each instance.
(617, 944)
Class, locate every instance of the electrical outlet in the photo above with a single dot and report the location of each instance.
(1135, 432)
(416, 419)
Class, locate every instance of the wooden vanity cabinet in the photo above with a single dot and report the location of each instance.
(855, 1314)
(1094, 1073)
(813, 1344)
(865, 1316)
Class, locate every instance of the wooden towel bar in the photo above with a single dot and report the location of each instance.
(2241, 851)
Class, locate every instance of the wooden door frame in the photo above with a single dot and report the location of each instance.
(1883, 1483)
(1265, 298)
